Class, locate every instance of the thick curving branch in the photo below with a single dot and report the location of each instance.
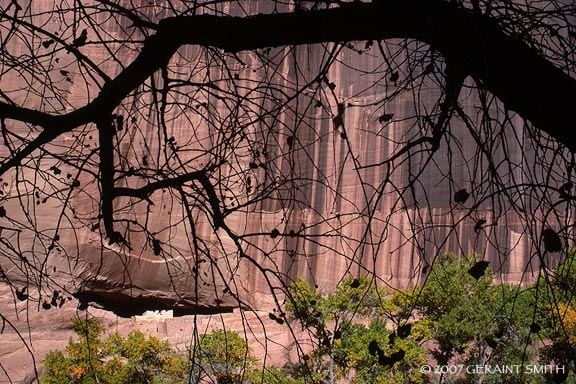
(519, 76)
(106, 165)
(177, 182)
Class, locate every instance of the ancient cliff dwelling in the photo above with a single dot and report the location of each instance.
(349, 191)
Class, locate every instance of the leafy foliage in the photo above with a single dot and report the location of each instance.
(223, 356)
(557, 310)
(365, 334)
(355, 359)
(457, 304)
(475, 322)
(335, 322)
(115, 360)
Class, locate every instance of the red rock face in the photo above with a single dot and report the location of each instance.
(311, 173)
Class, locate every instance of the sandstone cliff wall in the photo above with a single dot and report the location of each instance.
(299, 180)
